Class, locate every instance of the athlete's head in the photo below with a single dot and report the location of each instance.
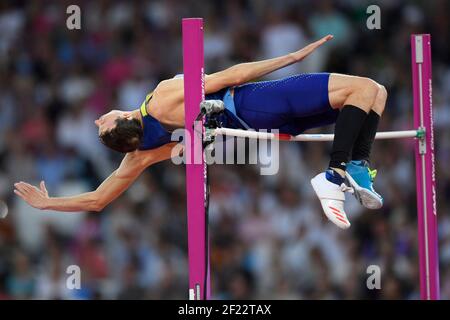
(120, 131)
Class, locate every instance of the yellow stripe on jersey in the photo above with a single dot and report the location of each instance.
(144, 104)
(148, 97)
(143, 109)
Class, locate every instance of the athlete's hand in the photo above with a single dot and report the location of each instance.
(35, 197)
(304, 52)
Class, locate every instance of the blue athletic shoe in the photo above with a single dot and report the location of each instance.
(361, 177)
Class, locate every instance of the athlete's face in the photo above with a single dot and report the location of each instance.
(108, 121)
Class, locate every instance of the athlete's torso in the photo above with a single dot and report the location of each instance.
(163, 111)
(167, 103)
(290, 105)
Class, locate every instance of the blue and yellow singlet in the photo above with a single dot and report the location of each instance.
(155, 135)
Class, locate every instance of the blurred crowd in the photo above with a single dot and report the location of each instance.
(269, 237)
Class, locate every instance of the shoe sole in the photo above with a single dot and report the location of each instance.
(367, 198)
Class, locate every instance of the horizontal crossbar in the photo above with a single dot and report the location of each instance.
(307, 137)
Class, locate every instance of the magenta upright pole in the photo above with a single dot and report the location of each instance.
(194, 94)
(425, 176)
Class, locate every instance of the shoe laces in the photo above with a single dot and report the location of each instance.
(372, 174)
(365, 163)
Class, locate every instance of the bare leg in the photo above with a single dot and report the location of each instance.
(352, 90)
(358, 91)
(380, 100)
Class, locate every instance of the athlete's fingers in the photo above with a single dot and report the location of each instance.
(29, 190)
(28, 187)
(28, 198)
(26, 184)
(21, 183)
(21, 187)
(43, 188)
(324, 39)
(20, 194)
(313, 46)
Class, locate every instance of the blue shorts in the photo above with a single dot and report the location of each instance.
(291, 105)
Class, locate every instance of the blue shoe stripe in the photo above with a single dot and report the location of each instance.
(334, 177)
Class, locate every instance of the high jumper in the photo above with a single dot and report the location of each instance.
(291, 105)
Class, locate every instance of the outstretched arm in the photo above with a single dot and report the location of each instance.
(245, 72)
(130, 168)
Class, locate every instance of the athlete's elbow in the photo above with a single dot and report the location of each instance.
(237, 75)
(240, 78)
(97, 203)
(238, 81)
(97, 207)
(100, 204)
